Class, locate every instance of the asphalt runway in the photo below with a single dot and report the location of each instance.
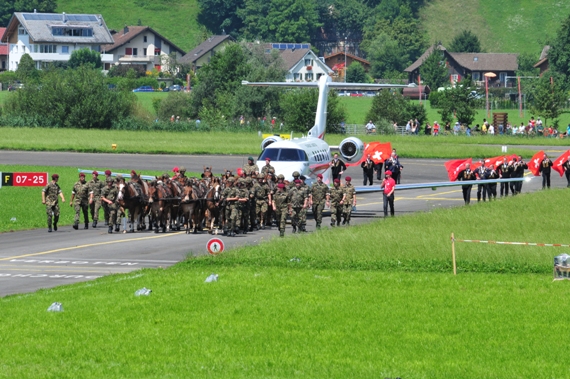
(34, 259)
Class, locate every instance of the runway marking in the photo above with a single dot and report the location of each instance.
(31, 269)
(88, 245)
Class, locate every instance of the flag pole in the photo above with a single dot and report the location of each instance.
(453, 254)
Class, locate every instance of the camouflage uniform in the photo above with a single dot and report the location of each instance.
(250, 169)
(319, 193)
(261, 198)
(111, 193)
(226, 206)
(52, 192)
(95, 187)
(281, 202)
(303, 213)
(233, 210)
(81, 202)
(336, 195)
(243, 207)
(251, 203)
(267, 169)
(350, 193)
(298, 201)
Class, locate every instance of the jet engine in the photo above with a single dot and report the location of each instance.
(351, 149)
(269, 140)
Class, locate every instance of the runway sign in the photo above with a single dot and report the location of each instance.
(24, 179)
(215, 246)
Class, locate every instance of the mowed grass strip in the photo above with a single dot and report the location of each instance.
(359, 302)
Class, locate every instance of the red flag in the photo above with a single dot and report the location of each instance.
(378, 151)
(534, 163)
(455, 166)
(495, 161)
(557, 164)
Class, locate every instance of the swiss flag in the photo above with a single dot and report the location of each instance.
(557, 164)
(496, 161)
(378, 151)
(455, 166)
(534, 163)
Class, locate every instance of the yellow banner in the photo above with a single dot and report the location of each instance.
(283, 136)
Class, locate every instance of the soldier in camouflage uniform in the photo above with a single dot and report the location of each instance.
(336, 202)
(296, 176)
(267, 169)
(262, 199)
(120, 211)
(281, 207)
(317, 199)
(49, 198)
(233, 209)
(80, 201)
(109, 196)
(303, 213)
(243, 206)
(250, 167)
(299, 201)
(349, 200)
(95, 187)
(226, 204)
(250, 204)
(103, 204)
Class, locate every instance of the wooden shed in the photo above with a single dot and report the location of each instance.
(416, 92)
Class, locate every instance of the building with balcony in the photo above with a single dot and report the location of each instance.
(3, 52)
(142, 45)
(301, 63)
(52, 37)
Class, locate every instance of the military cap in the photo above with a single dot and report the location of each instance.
(107, 172)
(55, 176)
(281, 185)
(269, 159)
(230, 179)
(182, 169)
(296, 174)
(248, 180)
(166, 175)
(119, 177)
(254, 175)
(281, 176)
(348, 179)
(337, 180)
(109, 180)
(81, 174)
(95, 173)
(320, 176)
(250, 158)
(175, 169)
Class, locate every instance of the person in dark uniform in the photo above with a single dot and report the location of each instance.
(466, 175)
(566, 168)
(505, 172)
(393, 165)
(519, 173)
(368, 169)
(481, 174)
(545, 170)
(337, 167)
(492, 187)
(378, 169)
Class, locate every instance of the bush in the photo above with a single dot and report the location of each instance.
(175, 103)
(147, 81)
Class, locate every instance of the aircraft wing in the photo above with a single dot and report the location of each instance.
(125, 176)
(281, 84)
(333, 85)
(435, 185)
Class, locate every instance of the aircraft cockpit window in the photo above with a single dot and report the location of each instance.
(284, 155)
(272, 154)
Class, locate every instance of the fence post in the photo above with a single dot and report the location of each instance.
(453, 254)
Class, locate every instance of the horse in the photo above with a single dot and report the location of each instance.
(212, 204)
(160, 204)
(130, 199)
(187, 208)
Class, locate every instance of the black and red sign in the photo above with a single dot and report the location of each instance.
(24, 179)
(215, 246)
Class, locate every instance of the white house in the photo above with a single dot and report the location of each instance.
(301, 63)
(50, 37)
(141, 45)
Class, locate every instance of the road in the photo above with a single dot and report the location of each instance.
(34, 259)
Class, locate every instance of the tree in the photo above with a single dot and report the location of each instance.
(8, 7)
(221, 16)
(386, 56)
(465, 42)
(299, 110)
(548, 97)
(457, 101)
(85, 56)
(26, 70)
(526, 63)
(388, 105)
(433, 70)
(355, 73)
(559, 53)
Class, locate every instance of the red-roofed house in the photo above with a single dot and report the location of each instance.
(337, 60)
(3, 52)
(141, 45)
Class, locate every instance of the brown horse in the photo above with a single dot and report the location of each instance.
(160, 204)
(212, 204)
(187, 208)
(132, 200)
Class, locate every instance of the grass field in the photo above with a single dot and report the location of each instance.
(383, 309)
(502, 26)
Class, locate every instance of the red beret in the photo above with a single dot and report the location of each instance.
(337, 180)
(268, 159)
(320, 176)
(389, 172)
(95, 173)
(281, 185)
(107, 172)
(348, 179)
(55, 176)
(133, 173)
(81, 174)
(175, 169)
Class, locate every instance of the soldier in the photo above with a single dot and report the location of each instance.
(120, 211)
(505, 171)
(393, 165)
(481, 174)
(296, 176)
(226, 204)
(103, 204)
(95, 187)
(49, 198)
(349, 200)
(466, 175)
(545, 170)
(109, 196)
(280, 205)
(335, 201)
(182, 175)
(243, 206)
(303, 214)
(492, 187)
(519, 168)
(368, 168)
(250, 167)
(337, 167)
(262, 197)
(317, 199)
(80, 201)
(299, 200)
(232, 210)
(267, 169)
(250, 204)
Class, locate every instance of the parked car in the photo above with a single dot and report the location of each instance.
(356, 94)
(144, 89)
(475, 95)
(175, 88)
(15, 86)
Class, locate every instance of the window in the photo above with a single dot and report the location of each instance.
(476, 76)
(309, 76)
(71, 32)
(156, 51)
(128, 51)
(22, 31)
(297, 76)
(135, 51)
(502, 77)
(45, 48)
(144, 38)
(65, 49)
(144, 52)
(15, 48)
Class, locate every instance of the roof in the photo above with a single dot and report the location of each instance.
(354, 57)
(204, 48)
(3, 47)
(126, 34)
(543, 56)
(487, 61)
(423, 57)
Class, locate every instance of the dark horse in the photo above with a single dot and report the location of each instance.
(187, 208)
(132, 199)
(160, 204)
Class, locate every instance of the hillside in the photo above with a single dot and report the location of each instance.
(174, 19)
(502, 25)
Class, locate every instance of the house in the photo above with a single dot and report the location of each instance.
(459, 65)
(52, 37)
(3, 52)
(542, 63)
(141, 45)
(338, 60)
(202, 53)
(300, 61)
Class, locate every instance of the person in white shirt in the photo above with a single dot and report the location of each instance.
(370, 127)
(491, 130)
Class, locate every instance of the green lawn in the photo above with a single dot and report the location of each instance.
(391, 308)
